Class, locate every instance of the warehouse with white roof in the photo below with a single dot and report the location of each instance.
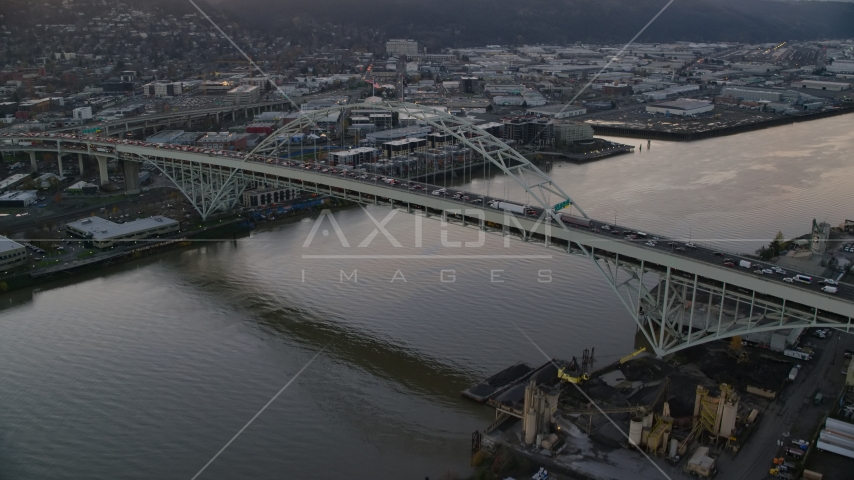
(104, 233)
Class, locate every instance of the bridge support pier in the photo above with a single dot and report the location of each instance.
(102, 168)
(33, 164)
(80, 162)
(131, 176)
(59, 164)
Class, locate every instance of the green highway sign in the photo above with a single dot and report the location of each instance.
(562, 205)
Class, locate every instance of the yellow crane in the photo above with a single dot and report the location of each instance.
(632, 355)
(571, 372)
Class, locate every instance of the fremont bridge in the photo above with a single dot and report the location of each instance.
(677, 296)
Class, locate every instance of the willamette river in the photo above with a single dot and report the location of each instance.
(148, 370)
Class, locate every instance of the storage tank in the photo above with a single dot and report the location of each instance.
(647, 420)
(635, 431)
(530, 426)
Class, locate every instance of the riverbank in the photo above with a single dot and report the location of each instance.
(701, 132)
(223, 228)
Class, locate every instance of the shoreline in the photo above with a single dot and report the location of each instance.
(231, 229)
(718, 132)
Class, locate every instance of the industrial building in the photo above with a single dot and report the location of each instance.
(82, 113)
(104, 233)
(244, 95)
(670, 92)
(354, 156)
(557, 111)
(683, 107)
(404, 147)
(509, 100)
(262, 197)
(396, 47)
(12, 181)
(163, 89)
(18, 198)
(754, 94)
(822, 85)
(12, 254)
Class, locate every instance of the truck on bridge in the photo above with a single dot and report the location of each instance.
(510, 207)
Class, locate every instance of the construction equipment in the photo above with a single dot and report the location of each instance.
(632, 355)
(572, 373)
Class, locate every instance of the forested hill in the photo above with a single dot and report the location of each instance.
(454, 23)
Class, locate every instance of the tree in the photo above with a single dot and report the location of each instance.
(777, 244)
(57, 198)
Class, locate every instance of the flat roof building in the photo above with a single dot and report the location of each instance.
(354, 156)
(683, 107)
(572, 132)
(104, 233)
(18, 198)
(244, 95)
(12, 254)
(754, 94)
(398, 46)
(822, 85)
(557, 111)
(12, 181)
(166, 136)
(223, 141)
(404, 147)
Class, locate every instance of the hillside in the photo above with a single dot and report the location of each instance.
(451, 23)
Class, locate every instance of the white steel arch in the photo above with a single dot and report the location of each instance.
(538, 184)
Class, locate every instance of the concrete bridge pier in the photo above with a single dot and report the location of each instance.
(59, 164)
(80, 162)
(102, 168)
(131, 176)
(33, 165)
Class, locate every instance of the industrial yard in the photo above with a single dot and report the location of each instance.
(696, 413)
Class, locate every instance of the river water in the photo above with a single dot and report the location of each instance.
(148, 370)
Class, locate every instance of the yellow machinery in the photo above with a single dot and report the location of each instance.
(632, 355)
(572, 373)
